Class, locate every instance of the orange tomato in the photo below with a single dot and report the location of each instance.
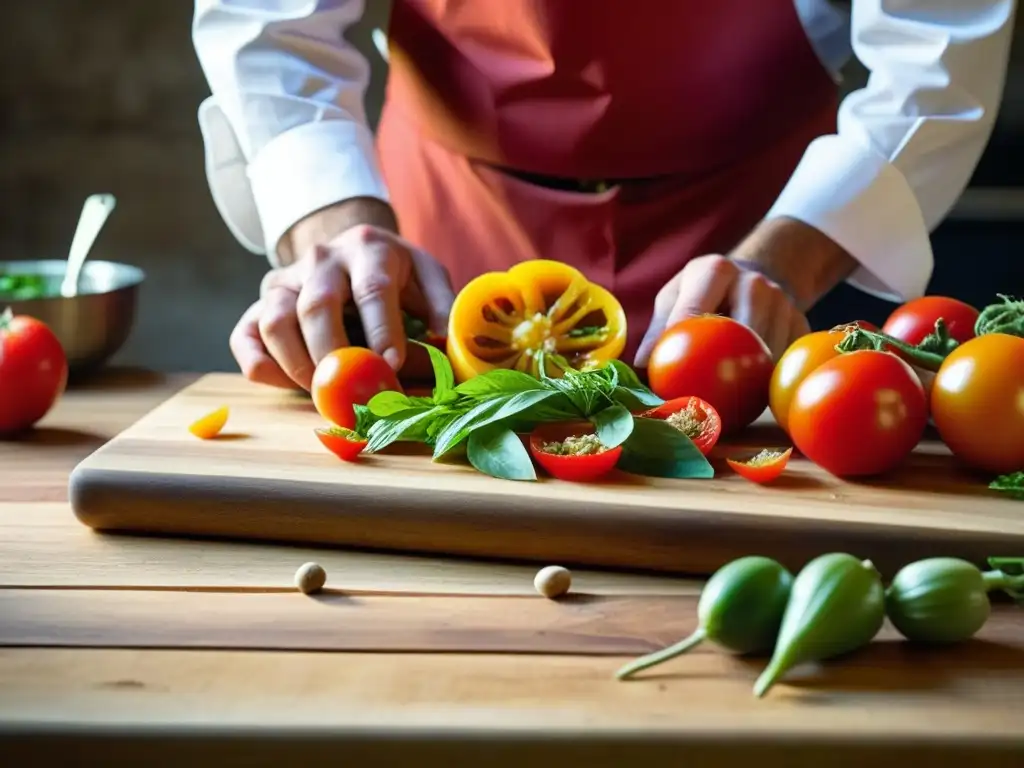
(797, 362)
(210, 425)
(504, 319)
(977, 402)
(350, 376)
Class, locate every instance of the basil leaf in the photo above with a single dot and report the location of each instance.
(500, 381)
(497, 451)
(657, 449)
(487, 412)
(444, 376)
(614, 426)
(1012, 485)
(625, 376)
(365, 419)
(636, 399)
(404, 425)
(386, 403)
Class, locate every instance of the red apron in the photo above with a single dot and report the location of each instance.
(697, 111)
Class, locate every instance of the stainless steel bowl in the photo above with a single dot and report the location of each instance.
(93, 325)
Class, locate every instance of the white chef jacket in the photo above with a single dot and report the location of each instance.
(286, 133)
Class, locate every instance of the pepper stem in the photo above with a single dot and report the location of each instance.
(645, 662)
(776, 668)
(994, 580)
(5, 318)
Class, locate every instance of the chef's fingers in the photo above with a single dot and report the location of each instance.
(378, 269)
(760, 305)
(320, 304)
(798, 327)
(279, 329)
(253, 359)
(436, 285)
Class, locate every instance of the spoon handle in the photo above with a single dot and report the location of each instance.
(94, 215)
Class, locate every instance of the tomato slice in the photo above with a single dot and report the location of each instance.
(762, 467)
(343, 443)
(575, 468)
(210, 425)
(694, 417)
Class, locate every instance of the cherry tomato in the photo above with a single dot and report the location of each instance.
(33, 371)
(763, 467)
(581, 468)
(694, 417)
(720, 361)
(343, 443)
(977, 402)
(914, 320)
(209, 426)
(350, 376)
(861, 413)
(796, 364)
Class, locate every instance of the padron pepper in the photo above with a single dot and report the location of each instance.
(504, 319)
(836, 606)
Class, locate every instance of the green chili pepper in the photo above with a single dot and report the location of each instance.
(740, 609)
(944, 599)
(836, 606)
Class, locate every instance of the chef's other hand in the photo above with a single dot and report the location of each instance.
(298, 318)
(800, 257)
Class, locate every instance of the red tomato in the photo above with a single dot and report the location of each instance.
(576, 469)
(914, 320)
(796, 364)
(694, 417)
(861, 413)
(350, 376)
(343, 443)
(33, 372)
(762, 467)
(977, 402)
(718, 360)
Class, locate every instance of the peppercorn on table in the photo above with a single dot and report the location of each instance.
(126, 649)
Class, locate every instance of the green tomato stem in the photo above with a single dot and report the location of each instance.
(994, 580)
(1007, 317)
(652, 659)
(858, 339)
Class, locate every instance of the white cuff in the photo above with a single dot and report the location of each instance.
(860, 200)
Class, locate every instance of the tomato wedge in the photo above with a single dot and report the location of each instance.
(572, 452)
(343, 443)
(695, 418)
(763, 467)
(210, 425)
(507, 319)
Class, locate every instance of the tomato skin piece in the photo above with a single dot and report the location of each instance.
(796, 364)
(701, 411)
(912, 321)
(977, 403)
(859, 414)
(573, 469)
(346, 445)
(209, 426)
(717, 359)
(761, 471)
(350, 376)
(33, 372)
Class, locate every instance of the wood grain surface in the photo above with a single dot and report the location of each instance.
(161, 661)
(269, 478)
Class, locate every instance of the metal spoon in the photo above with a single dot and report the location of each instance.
(94, 215)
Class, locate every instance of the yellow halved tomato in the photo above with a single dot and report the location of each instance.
(504, 319)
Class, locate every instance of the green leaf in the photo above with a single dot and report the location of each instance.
(404, 425)
(614, 425)
(444, 376)
(1012, 485)
(386, 403)
(626, 376)
(365, 418)
(487, 412)
(1011, 566)
(497, 451)
(657, 449)
(636, 399)
(499, 381)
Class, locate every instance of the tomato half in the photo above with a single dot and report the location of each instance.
(209, 426)
(350, 376)
(796, 364)
(861, 413)
(33, 371)
(977, 402)
(718, 360)
(695, 418)
(504, 319)
(582, 468)
(343, 443)
(762, 467)
(914, 320)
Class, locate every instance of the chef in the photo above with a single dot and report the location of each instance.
(690, 156)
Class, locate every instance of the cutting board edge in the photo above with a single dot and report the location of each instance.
(457, 524)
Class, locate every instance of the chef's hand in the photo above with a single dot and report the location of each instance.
(741, 285)
(297, 320)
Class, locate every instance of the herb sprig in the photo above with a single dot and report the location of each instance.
(484, 414)
(1012, 485)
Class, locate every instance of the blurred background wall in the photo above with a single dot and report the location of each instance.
(101, 95)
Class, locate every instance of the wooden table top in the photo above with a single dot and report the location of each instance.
(888, 704)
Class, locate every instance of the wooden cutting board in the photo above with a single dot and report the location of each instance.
(267, 477)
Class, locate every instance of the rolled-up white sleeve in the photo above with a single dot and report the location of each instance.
(907, 143)
(285, 129)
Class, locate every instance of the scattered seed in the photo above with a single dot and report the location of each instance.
(310, 578)
(552, 581)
